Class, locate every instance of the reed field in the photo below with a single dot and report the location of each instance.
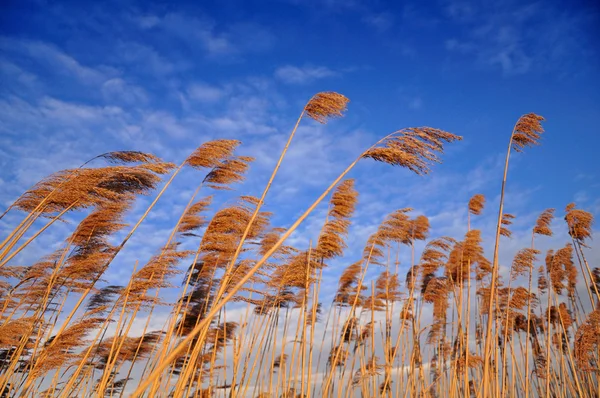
(250, 319)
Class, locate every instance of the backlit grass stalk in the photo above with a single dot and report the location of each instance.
(526, 133)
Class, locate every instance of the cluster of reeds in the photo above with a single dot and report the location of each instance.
(250, 320)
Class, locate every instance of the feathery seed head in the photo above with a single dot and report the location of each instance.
(506, 220)
(579, 223)
(119, 157)
(415, 148)
(476, 204)
(331, 241)
(542, 225)
(193, 219)
(527, 131)
(325, 105)
(523, 261)
(230, 171)
(211, 154)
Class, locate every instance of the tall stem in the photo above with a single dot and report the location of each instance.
(494, 281)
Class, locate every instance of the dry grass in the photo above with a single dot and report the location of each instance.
(250, 320)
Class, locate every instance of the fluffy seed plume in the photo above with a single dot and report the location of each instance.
(587, 342)
(466, 254)
(212, 154)
(562, 271)
(343, 202)
(119, 157)
(60, 349)
(326, 105)
(435, 255)
(542, 281)
(84, 188)
(523, 261)
(155, 274)
(437, 292)
(579, 222)
(387, 287)
(476, 204)
(348, 291)
(269, 240)
(395, 228)
(223, 232)
(414, 148)
(542, 225)
(229, 172)
(100, 300)
(527, 131)
(94, 229)
(506, 220)
(193, 219)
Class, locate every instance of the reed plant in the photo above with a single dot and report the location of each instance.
(250, 319)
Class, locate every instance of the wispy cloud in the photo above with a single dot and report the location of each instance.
(517, 37)
(48, 55)
(204, 92)
(201, 31)
(145, 59)
(117, 90)
(303, 75)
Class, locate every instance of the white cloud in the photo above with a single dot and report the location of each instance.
(201, 32)
(517, 38)
(303, 75)
(14, 73)
(205, 92)
(50, 55)
(145, 58)
(118, 90)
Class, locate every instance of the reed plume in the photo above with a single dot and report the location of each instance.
(331, 241)
(83, 188)
(325, 105)
(212, 154)
(506, 220)
(587, 342)
(526, 132)
(413, 148)
(228, 172)
(523, 262)
(193, 219)
(247, 313)
(542, 224)
(476, 204)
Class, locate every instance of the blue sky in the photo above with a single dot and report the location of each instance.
(80, 79)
